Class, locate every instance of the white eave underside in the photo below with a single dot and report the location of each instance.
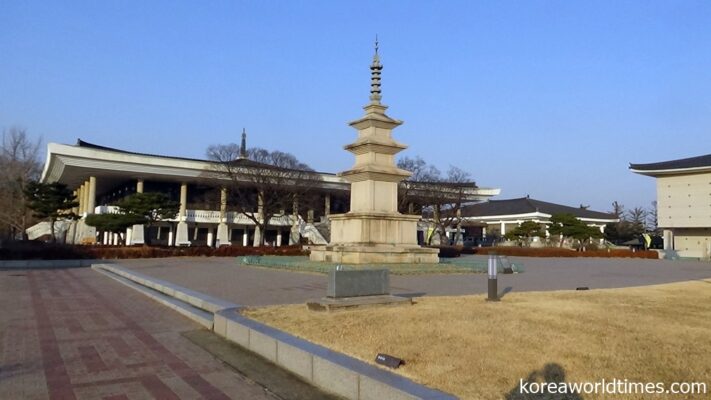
(533, 215)
(62, 157)
(673, 171)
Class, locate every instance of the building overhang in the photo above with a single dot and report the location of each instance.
(542, 217)
(73, 165)
(674, 171)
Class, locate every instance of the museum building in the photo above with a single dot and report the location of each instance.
(683, 203)
(100, 176)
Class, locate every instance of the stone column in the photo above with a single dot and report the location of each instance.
(459, 236)
(80, 199)
(257, 236)
(137, 235)
(86, 198)
(503, 228)
(260, 216)
(138, 230)
(245, 237)
(75, 210)
(92, 195)
(437, 236)
(85, 234)
(181, 237)
(278, 239)
(171, 235)
(294, 236)
(210, 236)
(82, 202)
(668, 239)
(222, 227)
(327, 205)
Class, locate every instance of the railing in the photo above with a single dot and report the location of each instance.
(205, 216)
(106, 210)
(211, 217)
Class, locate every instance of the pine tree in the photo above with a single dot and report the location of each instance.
(52, 201)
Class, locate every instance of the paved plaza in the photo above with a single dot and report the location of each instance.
(76, 334)
(255, 286)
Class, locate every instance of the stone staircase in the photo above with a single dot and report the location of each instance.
(43, 228)
(324, 228)
(310, 232)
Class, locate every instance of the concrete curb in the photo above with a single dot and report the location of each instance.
(329, 370)
(202, 317)
(195, 299)
(45, 264)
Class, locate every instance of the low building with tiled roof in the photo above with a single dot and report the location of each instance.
(496, 217)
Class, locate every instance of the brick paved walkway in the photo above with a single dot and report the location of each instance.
(75, 334)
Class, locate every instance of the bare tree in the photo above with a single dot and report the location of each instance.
(421, 172)
(442, 197)
(19, 163)
(637, 218)
(263, 184)
(446, 200)
(618, 210)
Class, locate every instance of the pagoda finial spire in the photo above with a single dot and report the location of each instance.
(375, 70)
(243, 145)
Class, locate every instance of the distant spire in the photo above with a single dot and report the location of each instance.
(243, 146)
(375, 68)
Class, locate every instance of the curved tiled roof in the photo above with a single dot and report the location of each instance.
(240, 161)
(692, 162)
(82, 143)
(527, 205)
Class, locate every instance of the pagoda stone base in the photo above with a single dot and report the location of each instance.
(374, 254)
(374, 238)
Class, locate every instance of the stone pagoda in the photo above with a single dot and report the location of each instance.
(373, 231)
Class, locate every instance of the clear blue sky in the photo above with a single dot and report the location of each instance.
(547, 98)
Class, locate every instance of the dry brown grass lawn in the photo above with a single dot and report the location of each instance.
(479, 350)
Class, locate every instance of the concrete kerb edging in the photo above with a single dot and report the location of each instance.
(44, 264)
(327, 369)
(202, 317)
(324, 368)
(196, 299)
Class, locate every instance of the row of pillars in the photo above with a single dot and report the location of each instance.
(502, 229)
(86, 195)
